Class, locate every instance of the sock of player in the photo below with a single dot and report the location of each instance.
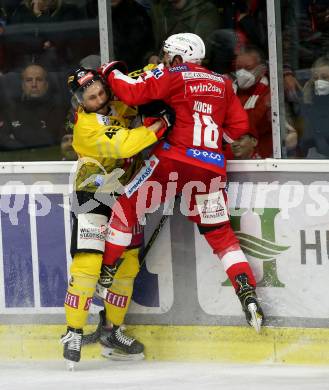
(85, 269)
(119, 295)
(226, 246)
(235, 263)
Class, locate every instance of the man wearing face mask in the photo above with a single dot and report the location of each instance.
(253, 90)
(314, 142)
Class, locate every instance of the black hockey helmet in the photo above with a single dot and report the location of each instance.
(82, 78)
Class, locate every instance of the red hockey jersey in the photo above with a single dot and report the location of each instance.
(207, 110)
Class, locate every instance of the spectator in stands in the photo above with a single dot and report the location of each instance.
(243, 22)
(254, 93)
(248, 19)
(29, 37)
(244, 148)
(314, 142)
(169, 17)
(34, 119)
(44, 11)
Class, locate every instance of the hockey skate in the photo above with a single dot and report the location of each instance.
(250, 305)
(117, 345)
(72, 342)
(106, 278)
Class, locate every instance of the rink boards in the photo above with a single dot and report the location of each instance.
(224, 344)
(281, 217)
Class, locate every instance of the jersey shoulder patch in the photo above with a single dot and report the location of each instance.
(157, 72)
(179, 68)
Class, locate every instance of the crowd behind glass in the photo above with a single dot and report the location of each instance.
(42, 40)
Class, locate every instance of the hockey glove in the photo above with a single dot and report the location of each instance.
(162, 132)
(109, 67)
(167, 115)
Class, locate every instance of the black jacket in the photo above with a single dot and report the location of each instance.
(316, 125)
(32, 123)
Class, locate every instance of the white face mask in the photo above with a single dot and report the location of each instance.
(321, 87)
(245, 79)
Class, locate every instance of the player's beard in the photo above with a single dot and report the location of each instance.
(100, 110)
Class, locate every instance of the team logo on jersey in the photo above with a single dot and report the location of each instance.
(112, 131)
(103, 120)
(207, 157)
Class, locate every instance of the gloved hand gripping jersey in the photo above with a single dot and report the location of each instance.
(155, 111)
(151, 112)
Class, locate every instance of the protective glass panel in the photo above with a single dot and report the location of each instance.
(305, 31)
(40, 41)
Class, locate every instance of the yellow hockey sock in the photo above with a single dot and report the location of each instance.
(119, 295)
(85, 271)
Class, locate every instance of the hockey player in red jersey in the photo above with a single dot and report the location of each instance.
(189, 161)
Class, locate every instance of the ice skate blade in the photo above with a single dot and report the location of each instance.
(256, 318)
(112, 354)
(70, 365)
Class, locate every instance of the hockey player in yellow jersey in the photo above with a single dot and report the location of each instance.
(107, 151)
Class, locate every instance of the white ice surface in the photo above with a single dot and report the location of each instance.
(103, 375)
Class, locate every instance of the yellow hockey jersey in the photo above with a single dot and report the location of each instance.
(104, 143)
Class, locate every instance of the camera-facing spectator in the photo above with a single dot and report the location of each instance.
(314, 142)
(244, 148)
(254, 93)
(35, 117)
(34, 82)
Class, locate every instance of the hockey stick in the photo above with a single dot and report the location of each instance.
(93, 337)
(146, 249)
(163, 220)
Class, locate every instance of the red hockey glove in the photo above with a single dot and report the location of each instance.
(162, 132)
(164, 113)
(109, 67)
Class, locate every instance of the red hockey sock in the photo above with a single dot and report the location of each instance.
(240, 268)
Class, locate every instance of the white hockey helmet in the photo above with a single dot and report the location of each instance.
(189, 46)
